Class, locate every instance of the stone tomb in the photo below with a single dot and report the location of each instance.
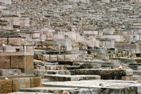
(18, 60)
(89, 87)
(4, 72)
(119, 74)
(71, 77)
(14, 84)
(41, 73)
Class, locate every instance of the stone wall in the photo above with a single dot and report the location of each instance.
(13, 85)
(17, 62)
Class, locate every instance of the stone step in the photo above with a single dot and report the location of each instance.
(41, 73)
(16, 76)
(100, 86)
(54, 90)
(111, 64)
(134, 66)
(137, 72)
(71, 77)
(72, 67)
(106, 73)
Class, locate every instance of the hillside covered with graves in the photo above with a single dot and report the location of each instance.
(70, 46)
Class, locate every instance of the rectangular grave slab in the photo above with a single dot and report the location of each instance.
(106, 73)
(71, 77)
(100, 86)
(4, 72)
